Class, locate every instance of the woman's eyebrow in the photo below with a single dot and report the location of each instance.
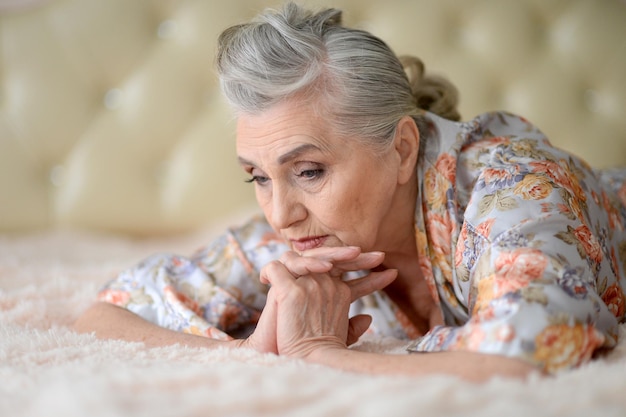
(294, 153)
(283, 159)
(243, 161)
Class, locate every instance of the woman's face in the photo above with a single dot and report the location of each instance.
(315, 188)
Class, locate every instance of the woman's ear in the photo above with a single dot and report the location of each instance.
(407, 143)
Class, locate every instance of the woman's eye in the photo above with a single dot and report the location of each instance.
(311, 173)
(258, 179)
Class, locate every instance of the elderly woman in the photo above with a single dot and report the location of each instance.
(383, 214)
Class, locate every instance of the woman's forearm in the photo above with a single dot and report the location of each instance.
(467, 365)
(111, 322)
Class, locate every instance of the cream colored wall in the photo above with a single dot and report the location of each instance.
(111, 118)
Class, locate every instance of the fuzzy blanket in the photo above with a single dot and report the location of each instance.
(46, 369)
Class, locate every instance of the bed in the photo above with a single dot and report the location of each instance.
(115, 144)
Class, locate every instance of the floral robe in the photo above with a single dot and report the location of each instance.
(522, 245)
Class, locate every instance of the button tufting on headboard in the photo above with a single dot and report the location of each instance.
(111, 117)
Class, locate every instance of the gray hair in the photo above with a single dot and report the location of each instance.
(354, 76)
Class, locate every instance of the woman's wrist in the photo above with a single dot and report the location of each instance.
(242, 344)
(315, 350)
(329, 355)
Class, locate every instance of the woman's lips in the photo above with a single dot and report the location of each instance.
(308, 243)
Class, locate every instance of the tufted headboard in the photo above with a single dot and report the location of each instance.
(111, 116)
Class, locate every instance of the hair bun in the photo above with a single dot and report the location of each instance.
(432, 93)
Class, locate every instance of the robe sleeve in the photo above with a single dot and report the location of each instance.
(214, 293)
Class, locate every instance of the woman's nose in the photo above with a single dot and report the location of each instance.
(287, 209)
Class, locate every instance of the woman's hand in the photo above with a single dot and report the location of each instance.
(335, 261)
(309, 303)
(331, 263)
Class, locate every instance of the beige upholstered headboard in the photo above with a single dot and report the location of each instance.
(111, 118)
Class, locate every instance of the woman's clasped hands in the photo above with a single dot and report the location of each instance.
(308, 303)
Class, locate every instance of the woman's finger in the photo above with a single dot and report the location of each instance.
(334, 261)
(347, 258)
(375, 281)
(276, 273)
(303, 265)
(263, 339)
(357, 325)
(333, 253)
(364, 261)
